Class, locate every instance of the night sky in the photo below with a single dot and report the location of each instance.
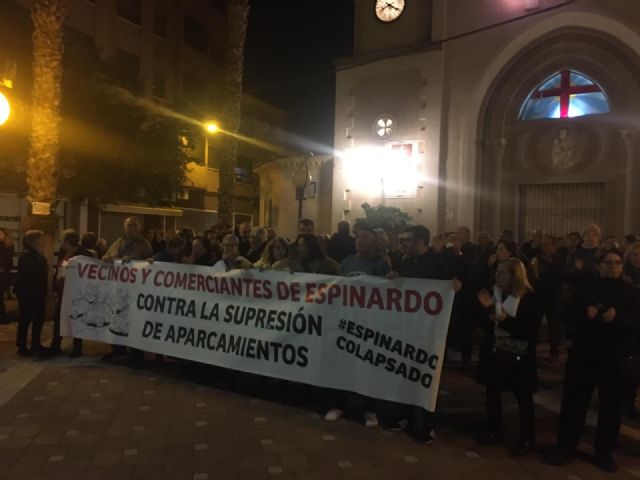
(289, 56)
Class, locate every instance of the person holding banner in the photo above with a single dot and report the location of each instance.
(420, 261)
(309, 257)
(275, 256)
(366, 261)
(202, 252)
(231, 258)
(70, 248)
(131, 246)
(512, 317)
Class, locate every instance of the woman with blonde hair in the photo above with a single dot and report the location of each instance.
(275, 256)
(512, 316)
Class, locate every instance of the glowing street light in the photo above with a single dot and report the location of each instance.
(5, 109)
(212, 127)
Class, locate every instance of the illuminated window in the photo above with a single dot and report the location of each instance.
(564, 95)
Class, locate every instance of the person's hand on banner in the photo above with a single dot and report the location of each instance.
(126, 259)
(484, 297)
(107, 259)
(456, 285)
(392, 275)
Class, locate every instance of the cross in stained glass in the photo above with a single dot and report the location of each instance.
(565, 90)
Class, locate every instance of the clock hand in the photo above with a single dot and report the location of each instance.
(392, 6)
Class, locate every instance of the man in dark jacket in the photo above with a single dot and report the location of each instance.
(420, 262)
(258, 243)
(31, 289)
(549, 266)
(582, 263)
(605, 330)
(341, 244)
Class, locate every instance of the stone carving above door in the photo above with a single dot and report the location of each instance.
(561, 149)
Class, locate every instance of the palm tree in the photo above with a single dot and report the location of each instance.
(237, 14)
(48, 48)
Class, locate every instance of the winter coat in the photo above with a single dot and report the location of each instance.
(524, 327)
(32, 278)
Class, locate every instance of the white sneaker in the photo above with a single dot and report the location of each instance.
(370, 419)
(333, 415)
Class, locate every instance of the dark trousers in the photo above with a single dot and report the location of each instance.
(525, 410)
(32, 312)
(582, 374)
(553, 312)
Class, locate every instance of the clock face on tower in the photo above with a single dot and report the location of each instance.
(389, 10)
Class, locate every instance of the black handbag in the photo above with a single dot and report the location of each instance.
(508, 353)
(506, 359)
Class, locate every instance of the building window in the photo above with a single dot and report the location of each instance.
(242, 170)
(196, 35)
(159, 88)
(128, 70)
(130, 10)
(194, 89)
(566, 94)
(160, 25)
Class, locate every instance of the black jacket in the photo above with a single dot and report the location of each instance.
(340, 246)
(32, 279)
(524, 327)
(596, 338)
(428, 265)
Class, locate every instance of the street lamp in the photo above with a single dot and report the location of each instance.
(212, 128)
(5, 109)
(301, 179)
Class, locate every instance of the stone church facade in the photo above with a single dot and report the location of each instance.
(496, 114)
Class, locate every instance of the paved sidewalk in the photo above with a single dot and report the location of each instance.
(83, 419)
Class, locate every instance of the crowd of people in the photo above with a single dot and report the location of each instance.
(585, 286)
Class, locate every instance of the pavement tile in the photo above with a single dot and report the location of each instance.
(245, 436)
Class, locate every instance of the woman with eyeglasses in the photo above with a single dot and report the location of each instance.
(604, 314)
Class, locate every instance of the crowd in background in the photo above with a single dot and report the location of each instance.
(586, 288)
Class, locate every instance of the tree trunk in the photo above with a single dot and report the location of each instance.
(237, 14)
(48, 48)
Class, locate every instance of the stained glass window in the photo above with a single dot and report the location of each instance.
(565, 94)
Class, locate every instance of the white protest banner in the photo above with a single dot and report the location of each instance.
(377, 337)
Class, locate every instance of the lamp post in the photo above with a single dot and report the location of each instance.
(301, 179)
(211, 128)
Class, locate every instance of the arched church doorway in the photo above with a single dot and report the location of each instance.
(557, 139)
